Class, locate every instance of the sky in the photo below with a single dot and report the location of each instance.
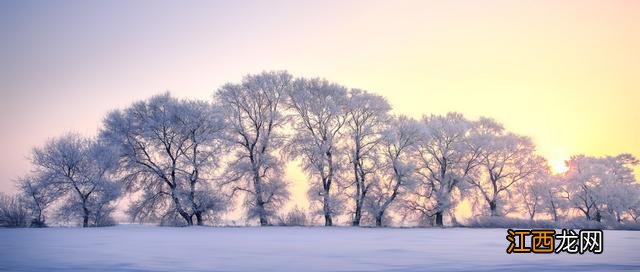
(565, 73)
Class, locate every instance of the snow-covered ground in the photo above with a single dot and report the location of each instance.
(142, 248)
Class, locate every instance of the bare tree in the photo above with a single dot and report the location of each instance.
(319, 115)
(81, 169)
(253, 112)
(168, 150)
(366, 115)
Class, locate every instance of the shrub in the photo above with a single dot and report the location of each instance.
(13, 212)
(295, 217)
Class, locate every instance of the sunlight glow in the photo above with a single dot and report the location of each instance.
(559, 166)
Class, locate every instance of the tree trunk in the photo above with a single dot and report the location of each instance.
(184, 215)
(326, 183)
(391, 198)
(192, 198)
(439, 219)
(199, 218)
(328, 221)
(358, 210)
(85, 221)
(493, 207)
(176, 200)
(555, 213)
(187, 218)
(85, 215)
(39, 222)
(257, 184)
(379, 219)
(262, 214)
(361, 194)
(263, 220)
(179, 209)
(358, 214)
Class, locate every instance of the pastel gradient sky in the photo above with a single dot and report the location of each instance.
(566, 73)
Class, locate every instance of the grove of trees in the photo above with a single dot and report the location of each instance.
(184, 162)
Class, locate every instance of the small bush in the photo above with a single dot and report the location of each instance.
(35, 223)
(296, 217)
(105, 221)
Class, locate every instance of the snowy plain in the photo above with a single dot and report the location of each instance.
(148, 248)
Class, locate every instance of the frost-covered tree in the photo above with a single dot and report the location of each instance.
(254, 113)
(203, 124)
(505, 160)
(531, 194)
(100, 205)
(38, 195)
(553, 200)
(81, 170)
(319, 109)
(621, 201)
(602, 187)
(396, 172)
(168, 151)
(367, 114)
(445, 160)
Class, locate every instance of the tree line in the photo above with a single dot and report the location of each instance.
(188, 162)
